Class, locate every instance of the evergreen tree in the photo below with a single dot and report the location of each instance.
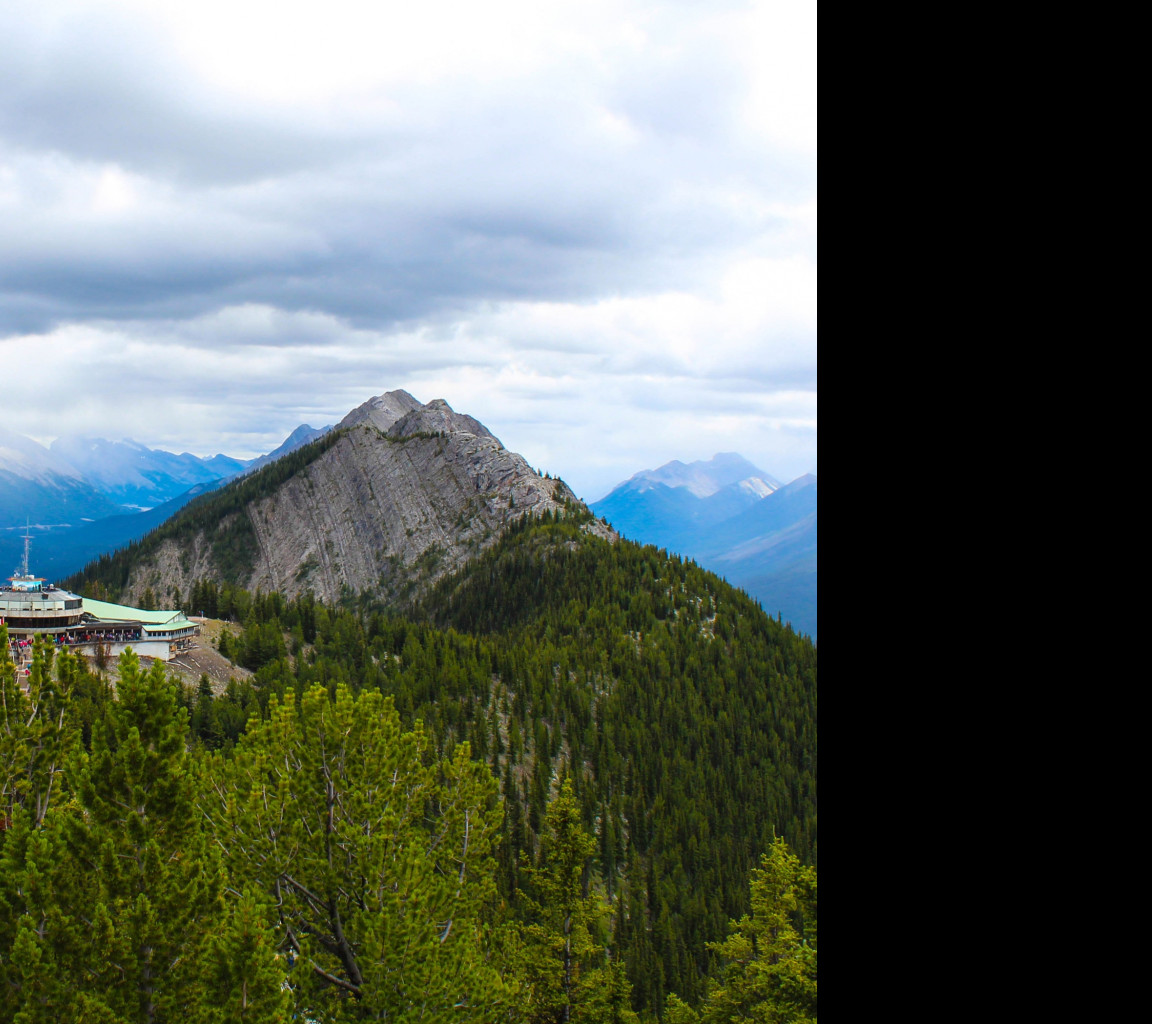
(243, 977)
(378, 859)
(565, 964)
(676, 1011)
(38, 938)
(34, 742)
(145, 887)
(206, 724)
(769, 974)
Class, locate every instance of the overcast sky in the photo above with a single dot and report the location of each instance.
(590, 225)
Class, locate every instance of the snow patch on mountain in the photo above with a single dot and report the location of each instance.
(704, 478)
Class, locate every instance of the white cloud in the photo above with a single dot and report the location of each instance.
(591, 224)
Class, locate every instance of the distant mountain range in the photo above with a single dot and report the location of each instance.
(88, 496)
(732, 518)
(42, 487)
(85, 496)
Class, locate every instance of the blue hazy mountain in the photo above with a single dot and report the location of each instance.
(703, 478)
(302, 435)
(84, 497)
(38, 487)
(59, 551)
(732, 518)
(137, 477)
(770, 551)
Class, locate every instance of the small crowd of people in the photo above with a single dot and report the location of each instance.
(99, 636)
(21, 647)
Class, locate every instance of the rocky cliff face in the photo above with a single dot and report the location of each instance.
(382, 411)
(409, 493)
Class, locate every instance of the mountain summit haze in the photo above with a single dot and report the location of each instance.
(87, 496)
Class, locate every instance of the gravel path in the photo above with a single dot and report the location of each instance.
(204, 659)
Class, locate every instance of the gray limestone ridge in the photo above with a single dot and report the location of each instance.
(408, 493)
(400, 415)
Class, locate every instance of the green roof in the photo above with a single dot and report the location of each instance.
(123, 613)
(175, 624)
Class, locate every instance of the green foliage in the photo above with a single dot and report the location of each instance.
(769, 972)
(243, 977)
(109, 901)
(690, 715)
(333, 790)
(569, 975)
(149, 883)
(693, 712)
(676, 1011)
(378, 856)
(260, 644)
(34, 743)
(41, 732)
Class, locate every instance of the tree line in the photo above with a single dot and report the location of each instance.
(601, 786)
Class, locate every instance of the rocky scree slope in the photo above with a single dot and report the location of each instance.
(407, 493)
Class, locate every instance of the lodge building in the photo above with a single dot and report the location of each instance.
(30, 606)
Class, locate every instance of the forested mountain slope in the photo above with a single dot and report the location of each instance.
(689, 717)
(637, 733)
(684, 718)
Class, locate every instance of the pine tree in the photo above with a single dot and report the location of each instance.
(146, 887)
(243, 977)
(40, 942)
(206, 716)
(34, 746)
(770, 970)
(34, 743)
(377, 857)
(565, 963)
(676, 1011)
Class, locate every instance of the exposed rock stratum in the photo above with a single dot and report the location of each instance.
(408, 493)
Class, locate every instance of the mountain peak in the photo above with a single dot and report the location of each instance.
(398, 414)
(799, 484)
(382, 411)
(438, 417)
(705, 477)
(388, 509)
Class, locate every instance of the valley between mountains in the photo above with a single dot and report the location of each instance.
(483, 759)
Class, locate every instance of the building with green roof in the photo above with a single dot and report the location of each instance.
(30, 607)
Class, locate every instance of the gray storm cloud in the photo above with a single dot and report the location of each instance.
(584, 214)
